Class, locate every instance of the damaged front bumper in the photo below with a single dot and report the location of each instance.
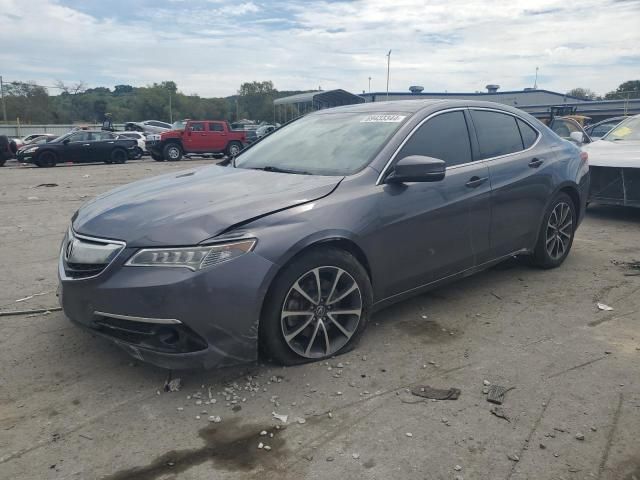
(615, 186)
(173, 317)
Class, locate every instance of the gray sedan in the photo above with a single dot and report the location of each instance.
(290, 248)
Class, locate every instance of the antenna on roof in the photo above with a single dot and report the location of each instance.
(535, 83)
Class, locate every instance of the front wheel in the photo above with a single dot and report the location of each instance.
(316, 308)
(556, 233)
(172, 152)
(46, 160)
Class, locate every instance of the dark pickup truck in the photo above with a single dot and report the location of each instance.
(196, 136)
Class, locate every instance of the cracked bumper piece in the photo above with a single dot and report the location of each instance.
(173, 317)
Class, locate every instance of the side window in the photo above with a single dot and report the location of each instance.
(216, 127)
(98, 136)
(197, 127)
(602, 130)
(444, 137)
(497, 133)
(529, 135)
(79, 137)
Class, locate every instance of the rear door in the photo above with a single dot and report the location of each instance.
(521, 180)
(217, 136)
(102, 144)
(435, 229)
(197, 137)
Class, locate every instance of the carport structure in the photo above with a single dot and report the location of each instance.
(288, 108)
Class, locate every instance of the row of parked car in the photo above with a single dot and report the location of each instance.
(161, 140)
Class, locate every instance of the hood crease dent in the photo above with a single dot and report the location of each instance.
(188, 207)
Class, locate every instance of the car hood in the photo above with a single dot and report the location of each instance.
(188, 207)
(622, 154)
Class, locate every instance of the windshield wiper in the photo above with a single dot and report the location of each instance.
(270, 168)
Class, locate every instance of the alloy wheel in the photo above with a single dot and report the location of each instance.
(321, 312)
(174, 153)
(559, 231)
(234, 150)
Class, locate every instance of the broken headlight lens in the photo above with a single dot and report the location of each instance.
(194, 258)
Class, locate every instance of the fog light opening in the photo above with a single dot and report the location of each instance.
(168, 336)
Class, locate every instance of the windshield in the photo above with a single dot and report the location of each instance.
(324, 144)
(629, 130)
(62, 137)
(179, 125)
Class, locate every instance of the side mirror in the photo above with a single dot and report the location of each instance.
(577, 137)
(66, 141)
(417, 168)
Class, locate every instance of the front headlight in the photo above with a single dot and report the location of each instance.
(30, 150)
(194, 258)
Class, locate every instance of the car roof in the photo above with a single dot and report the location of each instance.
(414, 106)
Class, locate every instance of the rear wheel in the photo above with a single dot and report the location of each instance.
(556, 233)
(47, 159)
(317, 307)
(137, 153)
(119, 155)
(172, 152)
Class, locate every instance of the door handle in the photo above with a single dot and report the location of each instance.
(475, 182)
(86, 144)
(536, 162)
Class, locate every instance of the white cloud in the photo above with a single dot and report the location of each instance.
(455, 45)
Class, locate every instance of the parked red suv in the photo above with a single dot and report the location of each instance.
(196, 136)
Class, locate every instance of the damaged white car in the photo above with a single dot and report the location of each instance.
(614, 165)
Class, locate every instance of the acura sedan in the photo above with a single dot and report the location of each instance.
(290, 248)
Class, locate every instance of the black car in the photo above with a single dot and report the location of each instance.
(82, 146)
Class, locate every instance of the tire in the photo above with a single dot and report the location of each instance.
(555, 237)
(157, 158)
(137, 153)
(2, 161)
(172, 152)
(118, 155)
(302, 346)
(233, 149)
(46, 159)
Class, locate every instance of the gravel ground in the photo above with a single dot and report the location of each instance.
(73, 406)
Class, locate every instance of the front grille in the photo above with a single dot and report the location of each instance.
(86, 257)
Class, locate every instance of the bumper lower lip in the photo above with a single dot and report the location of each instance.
(216, 310)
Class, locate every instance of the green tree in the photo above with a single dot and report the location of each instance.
(628, 89)
(255, 101)
(584, 93)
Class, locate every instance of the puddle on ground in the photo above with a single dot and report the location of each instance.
(230, 446)
(429, 331)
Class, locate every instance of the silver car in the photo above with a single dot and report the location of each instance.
(290, 248)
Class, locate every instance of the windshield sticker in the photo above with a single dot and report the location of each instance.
(383, 118)
(622, 132)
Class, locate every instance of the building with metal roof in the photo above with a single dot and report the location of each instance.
(288, 108)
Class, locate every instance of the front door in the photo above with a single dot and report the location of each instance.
(77, 149)
(197, 137)
(433, 230)
(102, 144)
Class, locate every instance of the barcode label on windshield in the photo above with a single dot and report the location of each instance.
(383, 118)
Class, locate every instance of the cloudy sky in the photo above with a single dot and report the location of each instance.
(210, 47)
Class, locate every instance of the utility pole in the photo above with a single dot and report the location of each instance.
(369, 84)
(388, 67)
(4, 107)
(170, 109)
(535, 83)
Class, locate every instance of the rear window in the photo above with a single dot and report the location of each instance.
(529, 135)
(497, 133)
